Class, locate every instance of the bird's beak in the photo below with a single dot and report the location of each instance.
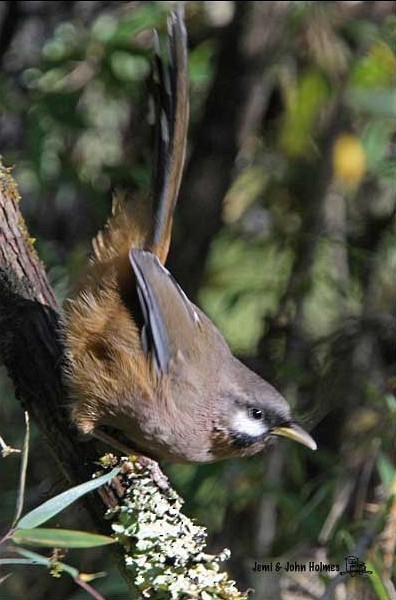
(296, 433)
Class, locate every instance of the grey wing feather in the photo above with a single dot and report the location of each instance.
(170, 318)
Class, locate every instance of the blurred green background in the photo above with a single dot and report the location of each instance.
(284, 234)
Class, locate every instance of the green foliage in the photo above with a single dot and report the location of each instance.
(237, 291)
(305, 98)
(32, 558)
(375, 578)
(59, 538)
(52, 507)
(25, 531)
(275, 267)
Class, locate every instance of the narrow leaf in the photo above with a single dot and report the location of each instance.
(52, 507)
(60, 538)
(17, 561)
(22, 475)
(377, 583)
(81, 579)
(44, 561)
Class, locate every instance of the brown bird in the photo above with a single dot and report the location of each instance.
(144, 363)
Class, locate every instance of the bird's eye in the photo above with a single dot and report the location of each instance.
(256, 414)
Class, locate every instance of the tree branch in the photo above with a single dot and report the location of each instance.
(30, 344)
(31, 349)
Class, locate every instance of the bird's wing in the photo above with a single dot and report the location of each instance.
(171, 322)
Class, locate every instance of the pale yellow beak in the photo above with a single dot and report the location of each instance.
(296, 433)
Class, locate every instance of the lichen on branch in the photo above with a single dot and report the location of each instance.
(164, 550)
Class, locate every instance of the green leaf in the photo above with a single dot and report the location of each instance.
(32, 558)
(52, 507)
(17, 561)
(377, 583)
(376, 138)
(147, 16)
(375, 102)
(305, 100)
(376, 68)
(37, 559)
(127, 67)
(22, 475)
(60, 538)
(385, 469)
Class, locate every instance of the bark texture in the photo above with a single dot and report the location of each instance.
(30, 340)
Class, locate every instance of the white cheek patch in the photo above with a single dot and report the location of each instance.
(242, 423)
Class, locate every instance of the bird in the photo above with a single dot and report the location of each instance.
(147, 371)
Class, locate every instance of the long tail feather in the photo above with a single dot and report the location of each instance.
(170, 91)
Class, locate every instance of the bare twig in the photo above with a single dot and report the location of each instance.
(89, 589)
(6, 450)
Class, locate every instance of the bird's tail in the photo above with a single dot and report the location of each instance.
(148, 225)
